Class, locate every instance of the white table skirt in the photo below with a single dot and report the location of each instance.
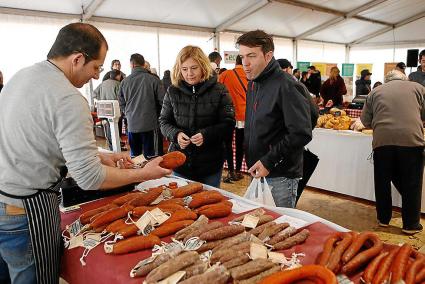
(346, 165)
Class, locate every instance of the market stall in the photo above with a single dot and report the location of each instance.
(346, 164)
(106, 268)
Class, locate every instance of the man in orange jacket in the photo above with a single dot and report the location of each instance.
(236, 83)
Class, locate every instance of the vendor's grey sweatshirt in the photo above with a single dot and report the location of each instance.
(45, 123)
(418, 76)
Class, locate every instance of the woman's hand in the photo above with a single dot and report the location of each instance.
(197, 139)
(183, 140)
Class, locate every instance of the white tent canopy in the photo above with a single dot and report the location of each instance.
(333, 31)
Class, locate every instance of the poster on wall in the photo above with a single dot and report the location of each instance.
(389, 66)
(348, 80)
(329, 66)
(230, 57)
(320, 67)
(362, 66)
(303, 66)
(347, 70)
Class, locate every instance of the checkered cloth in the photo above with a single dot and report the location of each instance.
(244, 167)
(354, 113)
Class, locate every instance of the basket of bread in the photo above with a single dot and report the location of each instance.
(336, 119)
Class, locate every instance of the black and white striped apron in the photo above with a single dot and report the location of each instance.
(43, 215)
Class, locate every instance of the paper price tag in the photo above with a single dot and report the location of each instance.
(187, 200)
(257, 251)
(76, 242)
(159, 216)
(90, 243)
(93, 236)
(277, 257)
(193, 243)
(250, 221)
(173, 279)
(144, 221)
(75, 228)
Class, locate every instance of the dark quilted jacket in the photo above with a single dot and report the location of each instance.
(205, 108)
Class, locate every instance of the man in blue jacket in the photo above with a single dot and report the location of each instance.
(278, 124)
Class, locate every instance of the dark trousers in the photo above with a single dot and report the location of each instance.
(142, 142)
(239, 134)
(404, 167)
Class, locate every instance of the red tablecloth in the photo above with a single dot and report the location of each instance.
(105, 268)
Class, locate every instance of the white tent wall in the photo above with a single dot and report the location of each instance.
(310, 51)
(378, 56)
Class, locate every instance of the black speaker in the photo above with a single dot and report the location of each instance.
(412, 57)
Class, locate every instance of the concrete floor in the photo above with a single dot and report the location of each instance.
(347, 212)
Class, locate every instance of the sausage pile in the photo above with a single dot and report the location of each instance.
(349, 253)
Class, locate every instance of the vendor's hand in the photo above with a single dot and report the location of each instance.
(197, 139)
(258, 170)
(330, 103)
(120, 160)
(183, 140)
(152, 170)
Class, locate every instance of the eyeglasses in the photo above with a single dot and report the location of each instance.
(100, 68)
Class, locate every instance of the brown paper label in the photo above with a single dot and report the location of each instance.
(257, 251)
(250, 221)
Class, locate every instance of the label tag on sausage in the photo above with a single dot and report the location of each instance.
(342, 279)
(257, 251)
(159, 216)
(144, 221)
(187, 200)
(93, 236)
(75, 228)
(193, 243)
(142, 263)
(277, 257)
(250, 221)
(174, 278)
(76, 241)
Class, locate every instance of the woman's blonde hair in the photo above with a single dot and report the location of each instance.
(196, 54)
(334, 73)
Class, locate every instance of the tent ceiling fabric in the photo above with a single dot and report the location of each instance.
(313, 20)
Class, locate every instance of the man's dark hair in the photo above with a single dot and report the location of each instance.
(114, 73)
(295, 71)
(312, 67)
(257, 38)
(137, 59)
(113, 62)
(78, 37)
(422, 54)
(213, 56)
(238, 60)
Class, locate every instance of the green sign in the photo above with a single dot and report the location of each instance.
(347, 69)
(303, 66)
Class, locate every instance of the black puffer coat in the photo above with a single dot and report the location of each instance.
(205, 108)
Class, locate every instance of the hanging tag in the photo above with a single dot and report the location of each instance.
(187, 200)
(174, 278)
(159, 216)
(277, 257)
(250, 221)
(257, 251)
(76, 241)
(144, 221)
(141, 264)
(158, 200)
(193, 243)
(254, 239)
(342, 279)
(147, 230)
(93, 236)
(75, 228)
(89, 244)
(206, 256)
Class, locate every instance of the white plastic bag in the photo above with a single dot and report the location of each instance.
(260, 192)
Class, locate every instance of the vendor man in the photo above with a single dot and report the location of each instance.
(45, 124)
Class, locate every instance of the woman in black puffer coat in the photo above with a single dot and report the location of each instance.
(197, 114)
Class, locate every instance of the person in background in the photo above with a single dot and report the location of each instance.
(401, 67)
(166, 80)
(115, 65)
(140, 100)
(52, 128)
(277, 122)
(196, 116)
(398, 146)
(297, 74)
(108, 90)
(303, 79)
(216, 58)
(236, 82)
(333, 89)
(314, 81)
(363, 84)
(285, 65)
(419, 76)
(1, 81)
(377, 84)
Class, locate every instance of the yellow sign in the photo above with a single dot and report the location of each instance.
(362, 66)
(329, 67)
(320, 67)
